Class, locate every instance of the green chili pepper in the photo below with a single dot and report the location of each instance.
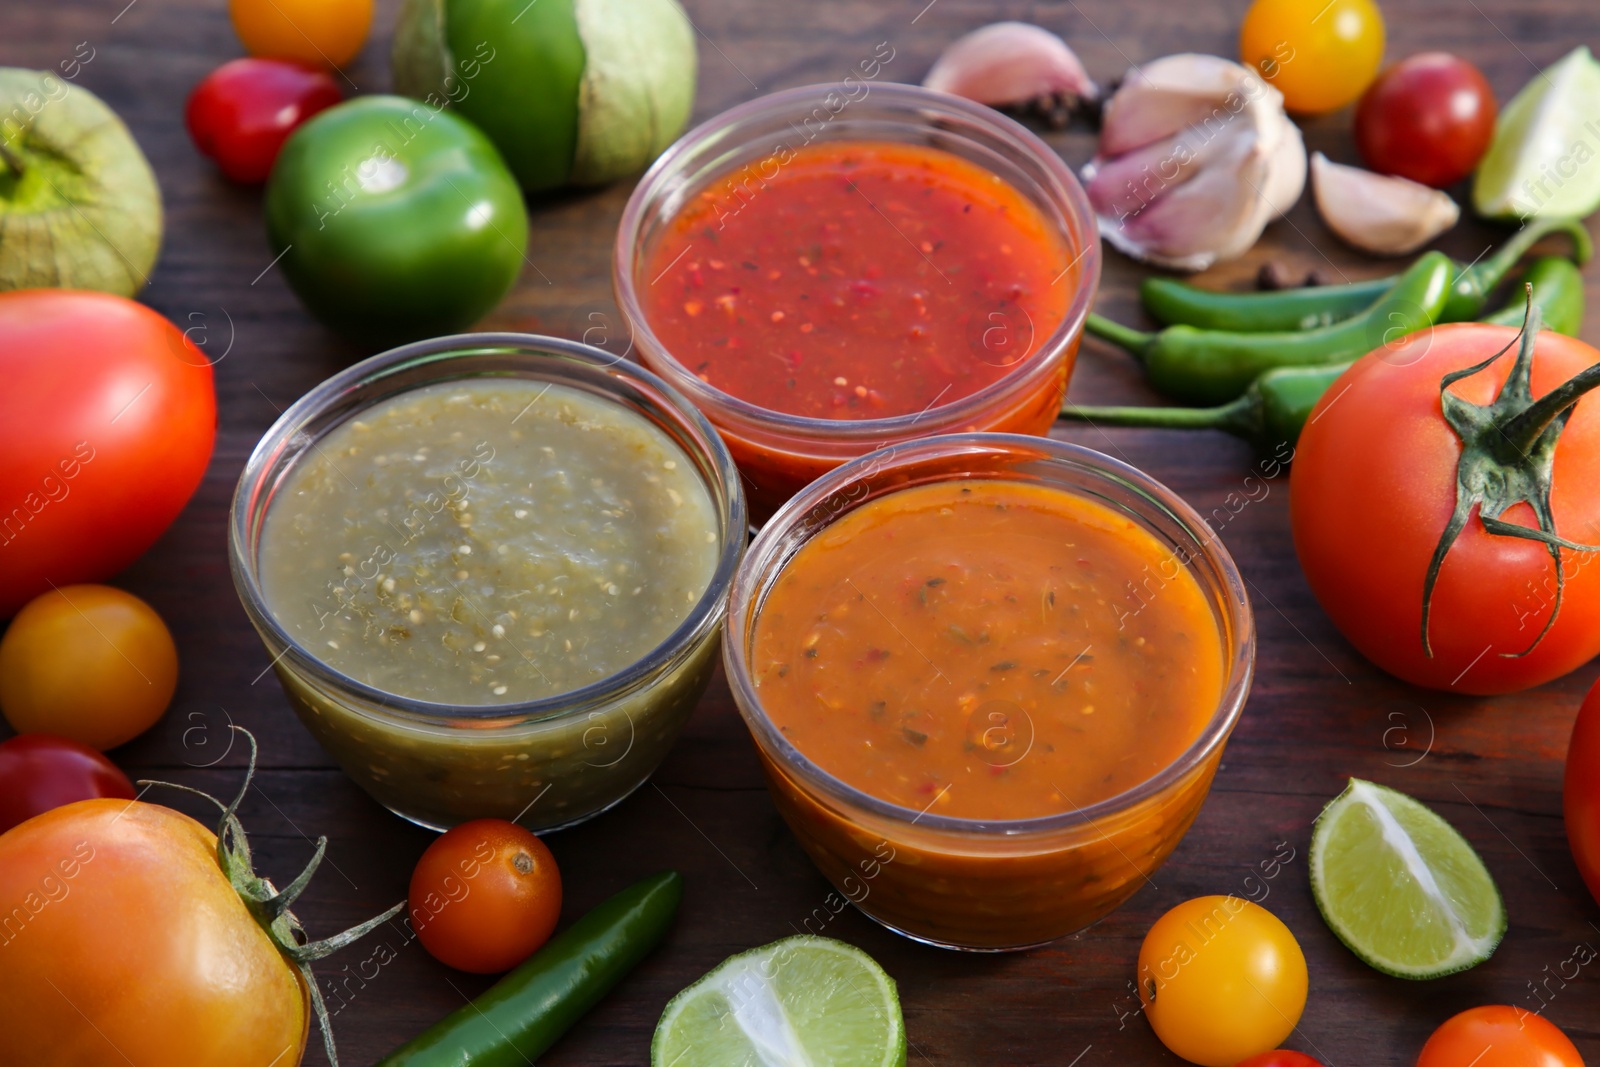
(1173, 302)
(524, 1013)
(1214, 366)
(1275, 407)
(1558, 292)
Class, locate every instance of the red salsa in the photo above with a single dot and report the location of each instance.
(859, 281)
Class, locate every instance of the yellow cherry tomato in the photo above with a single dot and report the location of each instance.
(89, 663)
(326, 33)
(1320, 54)
(1221, 979)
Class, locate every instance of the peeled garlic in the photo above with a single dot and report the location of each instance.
(1012, 64)
(1384, 215)
(1196, 156)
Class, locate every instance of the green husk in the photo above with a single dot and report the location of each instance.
(638, 85)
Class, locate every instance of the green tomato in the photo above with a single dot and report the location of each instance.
(395, 220)
(574, 92)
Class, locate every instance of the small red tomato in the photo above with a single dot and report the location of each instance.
(1429, 118)
(243, 111)
(1280, 1057)
(1581, 792)
(1497, 1035)
(485, 896)
(39, 772)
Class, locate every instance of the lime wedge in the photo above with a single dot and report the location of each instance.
(1545, 156)
(799, 1002)
(1400, 887)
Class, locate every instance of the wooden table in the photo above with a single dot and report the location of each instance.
(1318, 712)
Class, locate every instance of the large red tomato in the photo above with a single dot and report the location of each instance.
(1581, 792)
(122, 942)
(1373, 488)
(107, 417)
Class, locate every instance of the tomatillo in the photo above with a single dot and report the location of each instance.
(395, 220)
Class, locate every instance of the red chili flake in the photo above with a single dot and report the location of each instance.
(877, 655)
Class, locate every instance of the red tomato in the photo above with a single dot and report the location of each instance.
(1373, 486)
(1498, 1036)
(1581, 792)
(243, 111)
(124, 943)
(39, 772)
(1429, 118)
(485, 896)
(1280, 1057)
(107, 419)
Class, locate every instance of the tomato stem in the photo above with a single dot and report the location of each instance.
(270, 907)
(1508, 450)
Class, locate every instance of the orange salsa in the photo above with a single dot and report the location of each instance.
(860, 280)
(988, 649)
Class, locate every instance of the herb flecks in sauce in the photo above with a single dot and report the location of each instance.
(488, 542)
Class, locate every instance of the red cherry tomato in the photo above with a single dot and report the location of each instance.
(1497, 1035)
(485, 896)
(1581, 792)
(243, 111)
(1429, 118)
(1280, 1057)
(39, 772)
(107, 417)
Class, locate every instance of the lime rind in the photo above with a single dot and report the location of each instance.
(1400, 887)
(800, 1002)
(1545, 155)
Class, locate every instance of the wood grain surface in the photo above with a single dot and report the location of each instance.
(1318, 712)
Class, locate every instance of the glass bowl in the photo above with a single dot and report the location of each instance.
(780, 453)
(547, 763)
(999, 884)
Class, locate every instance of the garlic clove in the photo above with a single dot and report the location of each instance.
(1377, 213)
(1011, 64)
(1217, 214)
(1286, 177)
(1166, 95)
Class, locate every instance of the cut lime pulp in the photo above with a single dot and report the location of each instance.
(1400, 887)
(1545, 156)
(799, 1002)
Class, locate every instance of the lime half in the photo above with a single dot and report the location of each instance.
(1545, 156)
(1400, 887)
(799, 1002)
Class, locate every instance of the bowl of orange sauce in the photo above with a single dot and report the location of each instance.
(989, 678)
(832, 269)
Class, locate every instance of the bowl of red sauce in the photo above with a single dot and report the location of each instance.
(989, 678)
(827, 270)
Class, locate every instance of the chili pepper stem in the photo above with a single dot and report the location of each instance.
(1137, 342)
(1233, 416)
(1495, 267)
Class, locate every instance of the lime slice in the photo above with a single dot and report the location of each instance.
(1400, 887)
(1545, 156)
(799, 1002)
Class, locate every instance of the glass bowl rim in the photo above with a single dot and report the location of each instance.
(811, 779)
(915, 101)
(700, 622)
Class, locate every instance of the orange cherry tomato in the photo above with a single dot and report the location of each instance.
(485, 896)
(325, 33)
(1499, 1036)
(1320, 55)
(123, 942)
(89, 663)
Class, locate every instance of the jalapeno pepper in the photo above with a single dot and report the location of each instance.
(1276, 405)
(1173, 302)
(1214, 366)
(524, 1013)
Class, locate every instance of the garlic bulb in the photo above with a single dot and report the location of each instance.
(1196, 156)
(1015, 65)
(1378, 213)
